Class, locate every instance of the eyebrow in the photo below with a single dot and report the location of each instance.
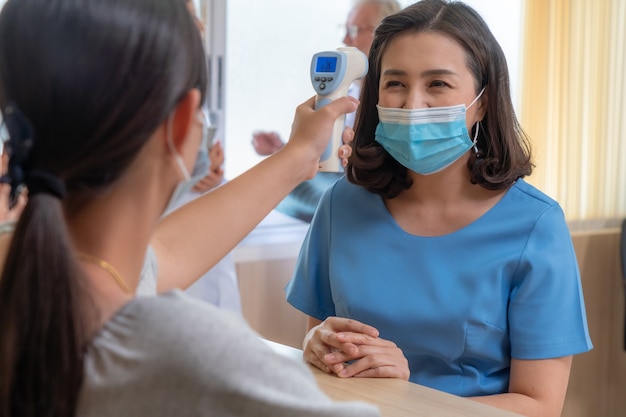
(423, 73)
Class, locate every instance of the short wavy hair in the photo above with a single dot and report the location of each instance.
(504, 151)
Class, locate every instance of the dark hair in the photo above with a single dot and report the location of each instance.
(95, 78)
(504, 150)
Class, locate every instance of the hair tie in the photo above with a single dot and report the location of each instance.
(43, 182)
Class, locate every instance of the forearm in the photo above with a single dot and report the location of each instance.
(520, 404)
(537, 388)
(194, 238)
(202, 232)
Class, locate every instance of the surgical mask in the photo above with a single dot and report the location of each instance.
(425, 140)
(200, 170)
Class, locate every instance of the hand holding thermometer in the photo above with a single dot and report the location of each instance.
(332, 72)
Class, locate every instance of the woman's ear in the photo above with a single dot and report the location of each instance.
(185, 115)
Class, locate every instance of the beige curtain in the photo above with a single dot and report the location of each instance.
(574, 103)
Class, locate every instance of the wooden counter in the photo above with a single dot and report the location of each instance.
(394, 397)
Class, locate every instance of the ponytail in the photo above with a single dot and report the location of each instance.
(42, 322)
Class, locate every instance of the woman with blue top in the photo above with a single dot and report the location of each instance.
(433, 260)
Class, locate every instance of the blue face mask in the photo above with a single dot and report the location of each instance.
(425, 140)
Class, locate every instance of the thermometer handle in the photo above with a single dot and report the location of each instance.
(329, 161)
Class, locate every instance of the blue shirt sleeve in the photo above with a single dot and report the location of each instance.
(546, 311)
(309, 289)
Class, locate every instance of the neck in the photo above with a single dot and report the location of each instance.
(117, 277)
(444, 187)
(115, 231)
(116, 227)
(442, 203)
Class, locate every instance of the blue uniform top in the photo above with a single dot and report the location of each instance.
(460, 306)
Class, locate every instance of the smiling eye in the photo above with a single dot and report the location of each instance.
(438, 83)
(393, 83)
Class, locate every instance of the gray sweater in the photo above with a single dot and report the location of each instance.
(172, 355)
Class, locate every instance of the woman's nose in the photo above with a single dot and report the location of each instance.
(414, 100)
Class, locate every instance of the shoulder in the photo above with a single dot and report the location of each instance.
(174, 355)
(190, 341)
(192, 338)
(532, 195)
(530, 207)
(174, 315)
(344, 192)
(345, 205)
(161, 327)
(540, 212)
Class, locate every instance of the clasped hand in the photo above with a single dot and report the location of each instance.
(349, 348)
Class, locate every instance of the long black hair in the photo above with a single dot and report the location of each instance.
(84, 84)
(504, 150)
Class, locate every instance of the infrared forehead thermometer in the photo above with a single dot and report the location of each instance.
(332, 72)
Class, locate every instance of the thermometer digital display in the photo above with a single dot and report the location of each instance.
(326, 64)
